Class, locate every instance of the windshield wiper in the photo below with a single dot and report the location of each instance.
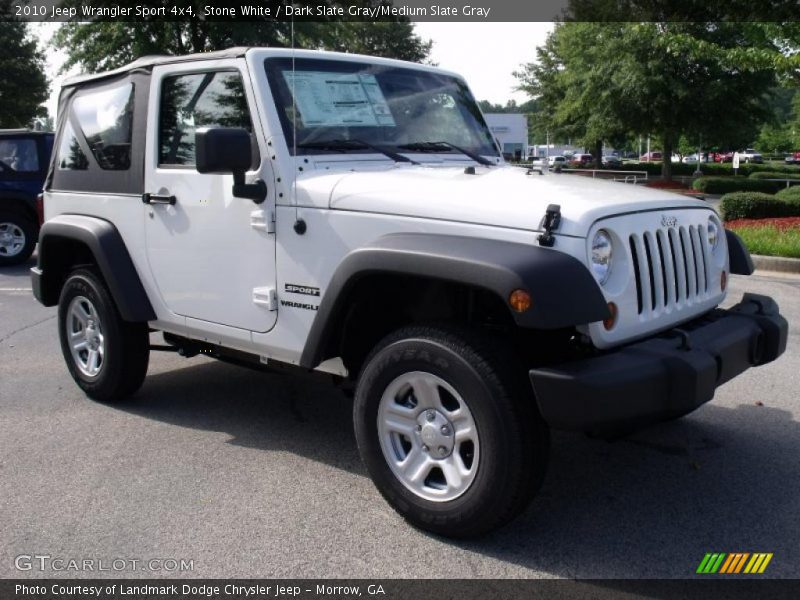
(353, 144)
(437, 146)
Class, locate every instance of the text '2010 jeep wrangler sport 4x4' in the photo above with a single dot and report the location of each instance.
(352, 215)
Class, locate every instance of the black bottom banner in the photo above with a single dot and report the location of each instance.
(418, 589)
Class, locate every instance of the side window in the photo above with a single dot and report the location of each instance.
(70, 155)
(192, 101)
(105, 119)
(18, 155)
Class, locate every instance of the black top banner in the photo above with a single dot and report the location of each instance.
(411, 10)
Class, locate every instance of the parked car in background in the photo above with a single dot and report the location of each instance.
(693, 159)
(723, 157)
(750, 156)
(581, 160)
(651, 156)
(611, 160)
(558, 161)
(793, 158)
(24, 159)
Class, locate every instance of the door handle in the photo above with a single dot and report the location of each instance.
(149, 198)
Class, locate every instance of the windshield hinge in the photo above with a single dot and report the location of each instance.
(550, 222)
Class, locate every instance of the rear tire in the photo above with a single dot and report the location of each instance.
(106, 356)
(18, 237)
(464, 397)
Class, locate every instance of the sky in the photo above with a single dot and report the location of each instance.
(486, 54)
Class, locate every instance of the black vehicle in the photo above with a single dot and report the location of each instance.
(24, 159)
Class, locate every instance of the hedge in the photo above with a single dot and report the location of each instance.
(745, 168)
(678, 169)
(757, 205)
(791, 194)
(774, 175)
(725, 185)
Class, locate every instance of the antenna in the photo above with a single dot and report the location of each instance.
(299, 224)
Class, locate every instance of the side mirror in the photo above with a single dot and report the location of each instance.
(228, 150)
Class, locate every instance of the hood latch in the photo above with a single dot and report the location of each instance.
(550, 222)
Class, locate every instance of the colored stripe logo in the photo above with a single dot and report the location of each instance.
(734, 562)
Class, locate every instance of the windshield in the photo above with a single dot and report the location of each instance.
(344, 106)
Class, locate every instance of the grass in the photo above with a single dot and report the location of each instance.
(775, 237)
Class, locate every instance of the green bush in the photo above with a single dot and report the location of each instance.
(725, 185)
(773, 175)
(654, 168)
(757, 205)
(790, 194)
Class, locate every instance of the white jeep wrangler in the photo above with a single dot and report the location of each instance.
(352, 215)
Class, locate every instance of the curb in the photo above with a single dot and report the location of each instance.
(776, 263)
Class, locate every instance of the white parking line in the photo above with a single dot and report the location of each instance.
(16, 289)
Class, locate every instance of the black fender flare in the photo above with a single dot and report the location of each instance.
(108, 248)
(564, 293)
(739, 259)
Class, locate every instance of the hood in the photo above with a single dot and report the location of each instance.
(502, 196)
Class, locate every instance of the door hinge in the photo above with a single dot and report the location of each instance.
(266, 297)
(263, 220)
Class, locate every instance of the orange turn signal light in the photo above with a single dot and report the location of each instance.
(520, 300)
(723, 281)
(612, 319)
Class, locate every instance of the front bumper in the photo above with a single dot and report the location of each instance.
(664, 376)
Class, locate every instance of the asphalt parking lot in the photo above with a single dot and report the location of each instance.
(257, 475)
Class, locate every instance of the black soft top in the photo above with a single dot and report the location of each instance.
(148, 62)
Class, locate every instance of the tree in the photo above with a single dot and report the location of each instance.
(777, 135)
(704, 80)
(23, 85)
(794, 123)
(509, 107)
(774, 139)
(104, 45)
(571, 87)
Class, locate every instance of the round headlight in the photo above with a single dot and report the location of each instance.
(713, 234)
(601, 256)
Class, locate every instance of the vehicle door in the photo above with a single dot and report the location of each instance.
(212, 255)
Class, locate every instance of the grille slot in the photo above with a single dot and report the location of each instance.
(670, 265)
(635, 260)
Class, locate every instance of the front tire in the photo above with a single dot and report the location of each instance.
(18, 238)
(448, 430)
(106, 356)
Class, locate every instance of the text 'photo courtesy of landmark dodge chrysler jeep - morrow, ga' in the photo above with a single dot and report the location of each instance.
(353, 216)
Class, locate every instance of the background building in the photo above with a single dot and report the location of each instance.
(511, 132)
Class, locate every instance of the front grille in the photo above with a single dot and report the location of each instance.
(671, 267)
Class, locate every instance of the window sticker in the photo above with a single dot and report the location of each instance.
(327, 99)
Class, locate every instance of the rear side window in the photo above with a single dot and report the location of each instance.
(70, 155)
(99, 147)
(18, 156)
(105, 119)
(192, 101)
